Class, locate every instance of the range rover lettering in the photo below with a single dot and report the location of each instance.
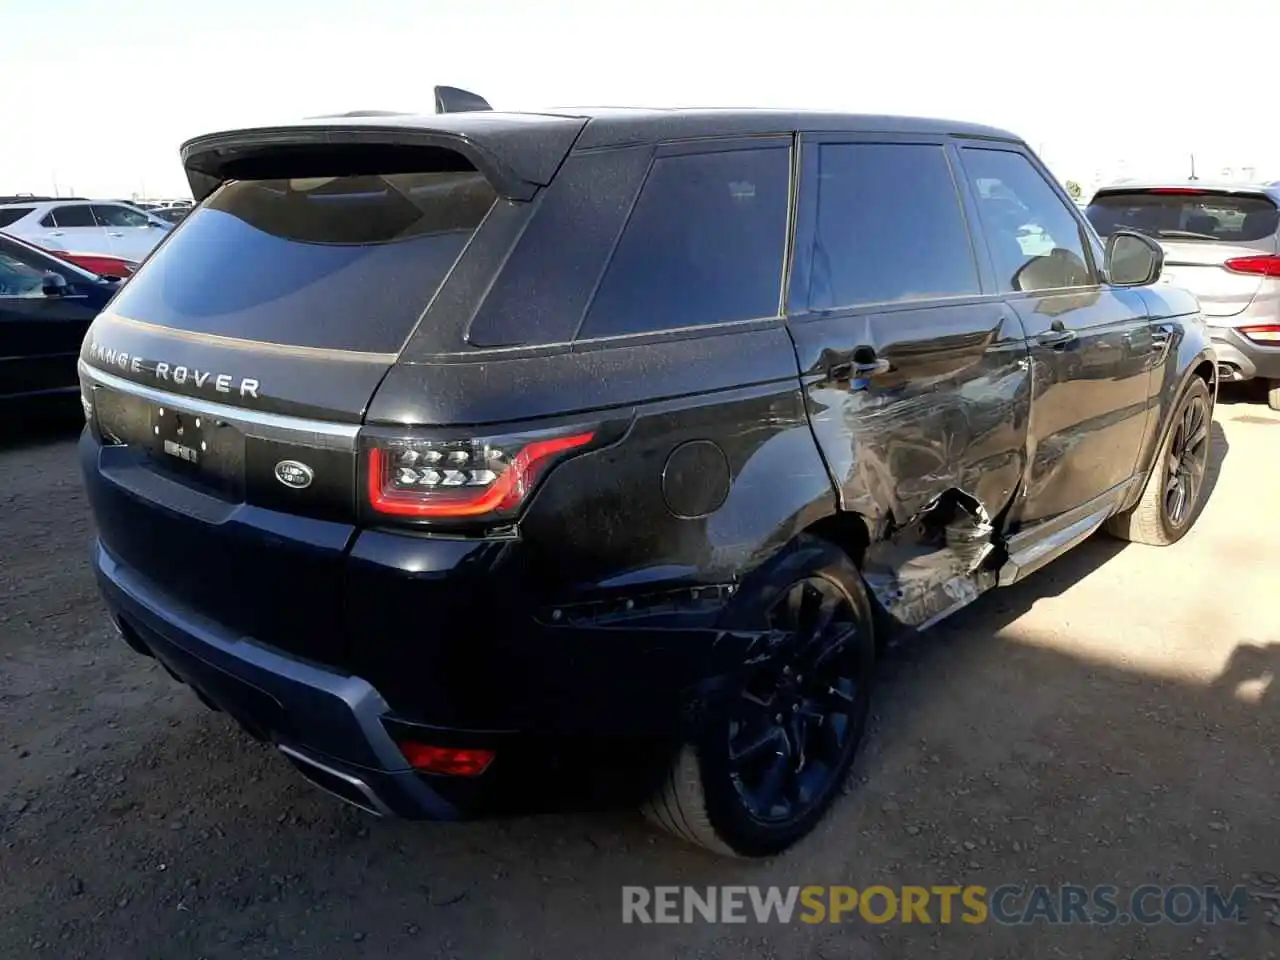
(630, 437)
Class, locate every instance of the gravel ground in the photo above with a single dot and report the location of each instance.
(1107, 721)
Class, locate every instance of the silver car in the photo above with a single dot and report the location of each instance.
(1220, 242)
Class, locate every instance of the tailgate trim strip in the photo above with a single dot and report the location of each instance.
(252, 423)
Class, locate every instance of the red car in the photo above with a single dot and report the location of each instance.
(104, 265)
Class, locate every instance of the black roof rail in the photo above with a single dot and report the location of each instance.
(457, 100)
(360, 113)
(31, 198)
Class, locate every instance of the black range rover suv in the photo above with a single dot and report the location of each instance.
(450, 453)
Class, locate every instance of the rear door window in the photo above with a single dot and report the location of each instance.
(19, 278)
(704, 244)
(78, 216)
(889, 227)
(1036, 242)
(1178, 213)
(340, 263)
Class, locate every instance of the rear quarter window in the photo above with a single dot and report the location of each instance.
(9, 215)
(704, 245)
(340, 263)
(1186, 215)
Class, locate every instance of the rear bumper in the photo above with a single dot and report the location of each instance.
(329, 725)
(1242, 358)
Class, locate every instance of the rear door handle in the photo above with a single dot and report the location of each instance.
(1055, 338)
(115, 234)
(849, 370)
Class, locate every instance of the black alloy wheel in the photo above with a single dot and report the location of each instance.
(1187, 462)
(770, 755)
(794, 722)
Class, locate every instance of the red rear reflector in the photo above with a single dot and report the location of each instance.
(460, 478)
(448, 761)
(1266, 265)
(1262, 332)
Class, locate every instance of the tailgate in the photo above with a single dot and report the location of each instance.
(228, 383)
(1201, 268)
(1200, 230)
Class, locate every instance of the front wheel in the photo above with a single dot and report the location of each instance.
(770, 760)
(1174, 494)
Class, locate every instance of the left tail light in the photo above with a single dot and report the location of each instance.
(486, 478)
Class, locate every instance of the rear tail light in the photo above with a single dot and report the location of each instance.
(448, 761)
(1267, 265)
(1262, 332)
(458, 479)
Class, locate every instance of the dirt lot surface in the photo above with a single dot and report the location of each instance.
(1112, 720)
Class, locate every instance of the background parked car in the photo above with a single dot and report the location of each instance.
(46, 305)
(1221, 243)
(173, 214)
(85, 226)
(100, 263)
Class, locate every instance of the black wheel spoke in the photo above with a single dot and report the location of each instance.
(827, 610)
(1198, 437)
(795, 602)
(834, 699)
(752, 746)
(775, 782)
(821, 651)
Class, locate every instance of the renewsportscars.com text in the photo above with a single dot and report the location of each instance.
(1008, 904)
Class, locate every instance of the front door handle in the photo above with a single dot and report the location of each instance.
(115, 234)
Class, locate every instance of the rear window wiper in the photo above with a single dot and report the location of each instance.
(1186, 235)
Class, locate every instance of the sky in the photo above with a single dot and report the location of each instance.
(1101, 88)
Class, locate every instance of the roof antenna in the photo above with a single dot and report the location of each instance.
(456, 100)
(1193, 168)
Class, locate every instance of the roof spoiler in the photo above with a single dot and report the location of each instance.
(457, 100)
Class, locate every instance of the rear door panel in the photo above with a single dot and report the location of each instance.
(919, 395)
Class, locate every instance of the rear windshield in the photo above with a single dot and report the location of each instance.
(10, 215)
(340, 263)
(1185, 215)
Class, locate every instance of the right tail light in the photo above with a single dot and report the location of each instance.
(1262, 332)
(1265, 265)
(487, 478)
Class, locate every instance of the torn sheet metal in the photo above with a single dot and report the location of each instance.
(935, 563)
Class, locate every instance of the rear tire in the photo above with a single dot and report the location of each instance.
(764, 766)
(1174, 493)
(1273, 394)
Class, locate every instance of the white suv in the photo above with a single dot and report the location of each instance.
(85, 226)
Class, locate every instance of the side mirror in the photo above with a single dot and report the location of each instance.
(1133, 259)
(54, 285)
